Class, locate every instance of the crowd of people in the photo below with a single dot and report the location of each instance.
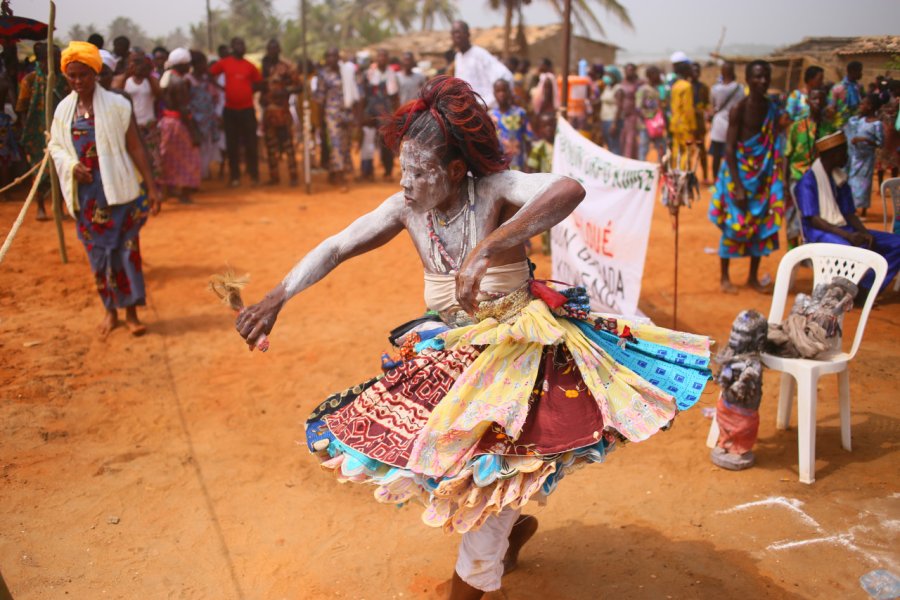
(195, 114)
(761, 145)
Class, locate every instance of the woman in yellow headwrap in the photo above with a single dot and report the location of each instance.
(106, 182)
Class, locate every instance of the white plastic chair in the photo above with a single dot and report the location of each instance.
(829, 261)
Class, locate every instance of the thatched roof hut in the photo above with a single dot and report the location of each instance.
(539, 41)
(879, 55)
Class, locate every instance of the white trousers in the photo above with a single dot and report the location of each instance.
(481, 552)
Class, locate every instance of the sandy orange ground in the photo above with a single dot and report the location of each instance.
(193, 444)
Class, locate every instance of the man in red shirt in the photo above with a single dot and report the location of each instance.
(241, 79)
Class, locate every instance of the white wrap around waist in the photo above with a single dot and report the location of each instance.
(440, 288)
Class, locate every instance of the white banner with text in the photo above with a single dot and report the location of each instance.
(602, 245)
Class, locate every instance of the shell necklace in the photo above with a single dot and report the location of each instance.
(440, 257)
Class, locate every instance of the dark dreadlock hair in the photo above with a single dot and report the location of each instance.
(450, 117)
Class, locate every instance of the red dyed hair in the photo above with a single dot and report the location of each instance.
(448, 115)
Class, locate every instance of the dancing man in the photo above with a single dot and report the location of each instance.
(496, 396)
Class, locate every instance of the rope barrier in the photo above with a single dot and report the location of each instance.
(21, 218)
(21, 178)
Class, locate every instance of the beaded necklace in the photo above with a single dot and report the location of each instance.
(444, 222)
(439, 251)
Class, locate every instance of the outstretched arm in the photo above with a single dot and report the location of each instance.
(543, 199)
(366, 233)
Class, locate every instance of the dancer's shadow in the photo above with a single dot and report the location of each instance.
(171, 272)
(190, 324)
(576, 562)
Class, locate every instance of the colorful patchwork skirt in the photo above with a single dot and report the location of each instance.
(481, 417)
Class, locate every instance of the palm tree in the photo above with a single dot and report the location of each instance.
(434, 11)
(582, 12)
(509, 7)
(585, 17)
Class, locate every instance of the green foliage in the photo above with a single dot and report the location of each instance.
(347, 24)
(79, 32)
(894, 63)
(134, 32)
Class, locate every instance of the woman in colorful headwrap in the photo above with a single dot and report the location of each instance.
(506, 384)
(101, 163)
(179, 138)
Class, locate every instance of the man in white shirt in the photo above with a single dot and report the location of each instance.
(476, 66)
(725, 95)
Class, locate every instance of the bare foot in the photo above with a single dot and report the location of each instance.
(521, 532)
(134, 324)
(460, 590)
(728, 287)
(110, 322)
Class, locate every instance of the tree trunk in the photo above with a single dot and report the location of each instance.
(507, 27)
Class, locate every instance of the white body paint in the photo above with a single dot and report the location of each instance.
(426, 187)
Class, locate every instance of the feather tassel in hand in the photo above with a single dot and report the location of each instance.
(228, 288)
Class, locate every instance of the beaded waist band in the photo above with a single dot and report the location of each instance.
(503, 309)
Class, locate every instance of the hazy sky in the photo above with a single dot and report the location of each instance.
(660, 25)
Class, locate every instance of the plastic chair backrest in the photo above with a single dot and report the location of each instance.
(891, 186)
(830, 261)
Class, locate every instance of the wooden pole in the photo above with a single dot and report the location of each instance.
(567, 51)
(48, 113)
(719, 45)
(675, 309)
(307, 126)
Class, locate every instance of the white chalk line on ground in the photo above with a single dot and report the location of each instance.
(791, 504)
(847, 539)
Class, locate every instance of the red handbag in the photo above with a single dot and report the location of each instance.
(656, 125)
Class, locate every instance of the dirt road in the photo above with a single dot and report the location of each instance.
(171, 466)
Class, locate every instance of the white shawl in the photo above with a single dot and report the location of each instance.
(348, 81)
(828, 208)
(112, 116)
